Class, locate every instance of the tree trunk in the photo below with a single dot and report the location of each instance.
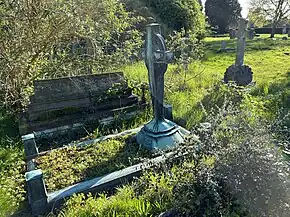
(273, 31)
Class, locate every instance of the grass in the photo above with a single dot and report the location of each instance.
(184, 90)
(71, 165)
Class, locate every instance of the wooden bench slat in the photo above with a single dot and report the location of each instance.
(123, 90)
(91, 106)
(77, 118)
(53, 106)
(79, 85)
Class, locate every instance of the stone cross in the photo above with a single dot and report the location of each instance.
(156, 61)
(241, 42)
(251, 32)
(284, 30)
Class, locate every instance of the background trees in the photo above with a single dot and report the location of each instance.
(223, 13)
(173, 14)
(273, 10)
(54, 38)
(257, 17)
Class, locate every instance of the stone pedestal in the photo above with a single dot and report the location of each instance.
(161, 135)
(241, 75)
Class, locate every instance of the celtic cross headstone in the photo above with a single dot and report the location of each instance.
(241, 42)
(159, 133)
(239, 73)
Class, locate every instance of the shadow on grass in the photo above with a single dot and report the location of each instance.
(9, 134)
(70, 166)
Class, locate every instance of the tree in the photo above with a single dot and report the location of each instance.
(43, 39)
(178, 14)
(257, 17)
(274, 10)
(223, 13)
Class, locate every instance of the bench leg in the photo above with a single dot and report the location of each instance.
(37, 195)
(30, 147)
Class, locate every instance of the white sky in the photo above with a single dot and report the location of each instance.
(244, 5)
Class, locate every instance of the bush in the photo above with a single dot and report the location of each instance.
(231, 169)
(54, 38)
(178, 14)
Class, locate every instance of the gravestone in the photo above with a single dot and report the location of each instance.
(251, 31)
(232, 33)
(239, 73)
(284, 30)
(159, 133)
(288, 32)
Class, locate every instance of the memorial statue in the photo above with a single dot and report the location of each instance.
(159, 133)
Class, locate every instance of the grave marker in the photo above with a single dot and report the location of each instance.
(284, 30)
(232, 33)
(159, 133)
(251, 31)
(240, 73)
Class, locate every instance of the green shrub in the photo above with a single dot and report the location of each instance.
(54, 38)
(123, 204)
(178, 14)
(12, 191)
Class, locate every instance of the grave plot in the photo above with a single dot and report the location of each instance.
(66, 109)
(71, 165)
(97, 164)
(63, 110)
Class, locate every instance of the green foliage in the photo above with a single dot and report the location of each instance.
(53, 38)
(193, 185)
(71, 165)
(257, 17)
(223, 13)
(178, 14)
(123, 204)
(12, 191)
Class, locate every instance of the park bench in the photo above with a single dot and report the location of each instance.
(65, 109)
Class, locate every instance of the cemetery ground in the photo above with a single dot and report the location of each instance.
(197, 96)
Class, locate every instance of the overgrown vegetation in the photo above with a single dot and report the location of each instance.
(230, 161)
(174, 15)
(233, 160)
(52, 38)
(71, 165)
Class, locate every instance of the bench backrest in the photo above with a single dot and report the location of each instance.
(65, 101)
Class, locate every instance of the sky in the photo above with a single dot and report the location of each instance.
(244, 5)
